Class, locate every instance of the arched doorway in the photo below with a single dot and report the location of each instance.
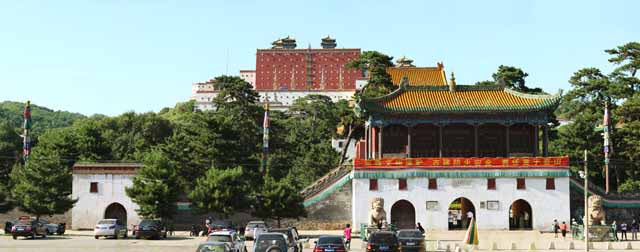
(458, 212)
(116, 211)
(520, 215)
(403, 215)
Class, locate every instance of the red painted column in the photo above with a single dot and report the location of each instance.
(374, 142)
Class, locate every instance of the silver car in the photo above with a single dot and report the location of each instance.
(110, 228)
(231, 238)
(272, 242)
(251, 226)
(213, 247)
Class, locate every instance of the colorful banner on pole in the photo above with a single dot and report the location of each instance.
(26, 137)
(265, 137)
(462, 163)
(605, 122)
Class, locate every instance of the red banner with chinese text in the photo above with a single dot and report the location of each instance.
(458, 162)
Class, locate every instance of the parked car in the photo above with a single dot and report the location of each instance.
(110, 228)
(213, 247)
(293, 238)
(411, 240)
(54, 228)
(8, 225)
(151, 229)
(249, 229)
(383, 241)
(231, 238)
(28, 227)
(329, 243)
(272, 242)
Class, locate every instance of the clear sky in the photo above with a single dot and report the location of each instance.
(110, 57)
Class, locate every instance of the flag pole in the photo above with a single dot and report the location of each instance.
(606, 146)
(265, 137)
(26, 136)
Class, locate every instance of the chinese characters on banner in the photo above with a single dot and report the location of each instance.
(455, 162)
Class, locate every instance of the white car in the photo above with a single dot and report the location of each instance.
(110, 228)
(229, 237)
(252, 226)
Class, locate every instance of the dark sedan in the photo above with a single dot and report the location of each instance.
(26, 226)
(153, 229)
(383, 241)
(329, 243)
(411, 240)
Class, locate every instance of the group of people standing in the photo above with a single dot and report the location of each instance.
(623, 228)
(562, 228)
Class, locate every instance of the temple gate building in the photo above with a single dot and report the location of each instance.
(437, 152)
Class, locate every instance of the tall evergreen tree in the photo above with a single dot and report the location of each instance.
(221, 191)
(511, 77)
(43, 185)
(375, 64)
(278, 199)
(155, 188)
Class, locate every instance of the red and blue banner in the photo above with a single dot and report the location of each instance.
(26, 137)
(462, 162)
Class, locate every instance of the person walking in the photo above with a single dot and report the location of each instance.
(574, 228)
(556, 228)
(623, 230)
(634, 230)
(347, 236)
(419, 227)
(563, 229)
(614, 230)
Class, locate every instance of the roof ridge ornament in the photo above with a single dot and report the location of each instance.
(404, 83)
(452, 83)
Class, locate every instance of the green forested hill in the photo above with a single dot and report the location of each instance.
(43, 118)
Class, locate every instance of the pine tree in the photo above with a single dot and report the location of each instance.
(9, 149)
(155, 188)
(220, 191)
(43, 185)
(279, 199)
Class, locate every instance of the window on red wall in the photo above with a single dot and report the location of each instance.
(402, 184)
(551, 184)
(520, 184)
(491, 184)
(433, 184)
(373, 184)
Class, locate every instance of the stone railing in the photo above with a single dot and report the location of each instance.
(326, 180)
(612, 195)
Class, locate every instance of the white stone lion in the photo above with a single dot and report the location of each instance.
(377, 215)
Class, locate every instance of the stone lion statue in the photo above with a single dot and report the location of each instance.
(596, 212)
(377, 215)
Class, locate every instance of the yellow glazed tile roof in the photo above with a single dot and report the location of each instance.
(418, 76)
(464, 99)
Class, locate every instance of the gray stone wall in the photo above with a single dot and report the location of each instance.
(15, 213)
(332, 213)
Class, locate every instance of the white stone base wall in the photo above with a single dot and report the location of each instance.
(91, 206)
(546, 205)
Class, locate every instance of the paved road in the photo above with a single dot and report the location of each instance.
(79, 241)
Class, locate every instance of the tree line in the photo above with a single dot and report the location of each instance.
(213, 158)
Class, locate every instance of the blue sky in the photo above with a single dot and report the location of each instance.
(110, 57)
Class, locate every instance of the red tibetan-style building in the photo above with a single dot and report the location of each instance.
(284, 67)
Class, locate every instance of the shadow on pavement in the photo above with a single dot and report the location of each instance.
(46, 239)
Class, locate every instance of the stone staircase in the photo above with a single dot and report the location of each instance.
(326, 183)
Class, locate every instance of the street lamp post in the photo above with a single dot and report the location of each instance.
(585, 220)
